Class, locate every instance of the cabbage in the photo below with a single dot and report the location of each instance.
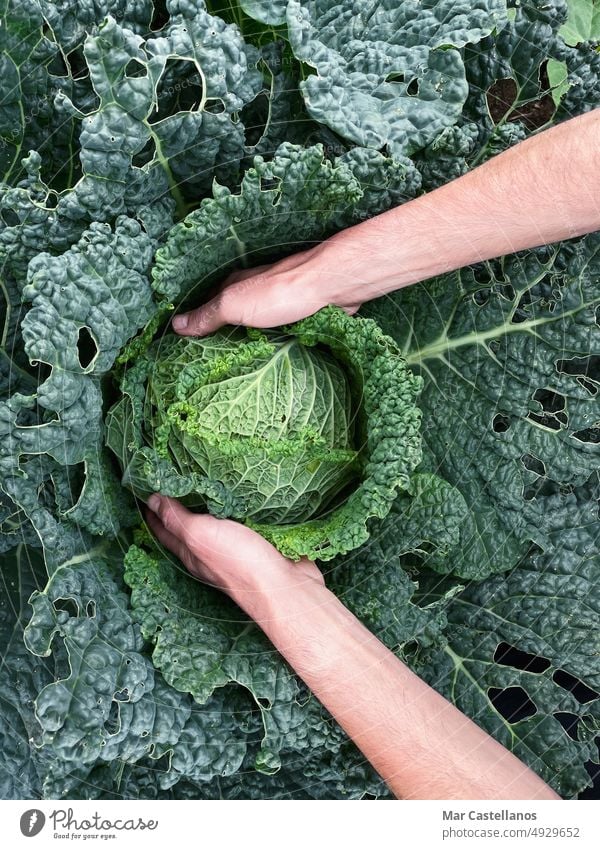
(305, 433)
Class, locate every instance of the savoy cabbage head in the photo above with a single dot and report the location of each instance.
(307, 434)
(148, 148)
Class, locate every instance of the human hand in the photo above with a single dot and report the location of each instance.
(227, 555)
(333, 272)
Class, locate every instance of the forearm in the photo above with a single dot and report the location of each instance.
(540, 191)
(421, 745)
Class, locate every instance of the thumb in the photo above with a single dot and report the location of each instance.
(175, 517)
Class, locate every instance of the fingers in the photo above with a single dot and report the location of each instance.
(256, 297)
(214, 541)
(201, 534)
(164, 536)
(234, 305)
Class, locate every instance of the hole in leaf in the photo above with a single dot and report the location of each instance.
(506, 291)
(580, 691)
(66, 497)
(160, 15)
(569, 722)
(553, 415)
(501, 97)
(542, 487)
(10, 217)
(507, 655)
(500, 423)
(69, 605)
(413, 87)
(551, 401)
(512, 703)
(112, 724)
(410, 648)
(78, 68)
(502, 102)
(122, 695)
(179, 89)
(28, 418)
(90, 609)
(215, 107)
(481, 297)
(533, 464)
(482, 273)
(58, 66)
(395, 77)
(145, 155)
(255, 116)
(588, 386)
(586, 367)
(264, 703)
(87, 350)
(267, 184)
(591, 435)
(135, 68)
(494, 346)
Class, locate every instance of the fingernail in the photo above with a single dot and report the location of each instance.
(180, 322)
(154, 502)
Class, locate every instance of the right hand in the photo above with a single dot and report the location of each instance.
(288, 290)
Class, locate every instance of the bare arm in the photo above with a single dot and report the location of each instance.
(540, 191)
(421, 745)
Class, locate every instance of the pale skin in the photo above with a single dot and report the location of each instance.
(421, 745)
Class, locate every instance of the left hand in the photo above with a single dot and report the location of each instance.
(226, 554)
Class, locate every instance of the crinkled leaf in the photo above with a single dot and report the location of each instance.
(387, 74)
(297, 198)
(510, 402)
(87, 302)
(546, 609)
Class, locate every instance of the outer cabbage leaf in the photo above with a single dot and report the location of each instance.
(516, 53)
(522, 78)
(510, 402)
(278, 113)
(547, 609)
(21, 677)
(86, 304)
(30, 222)
(202, 641)
(30, 78)
(386, 74)
(72, 20)
(266, 11)
(375, 581)
(282, 204)
(123, 711)
(138, 142)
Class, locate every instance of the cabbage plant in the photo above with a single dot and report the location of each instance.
(306, 433)
(149, 148)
